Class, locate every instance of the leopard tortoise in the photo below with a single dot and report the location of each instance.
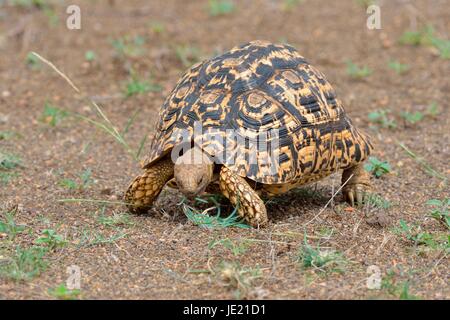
(257, 89)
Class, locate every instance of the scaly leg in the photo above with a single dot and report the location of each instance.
(145, 188)
(357, 188)
(241, 195)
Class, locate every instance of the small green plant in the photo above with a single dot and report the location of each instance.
(381, 118)
(357, 72)
(443, 46)
(440, 210)
(128, 46)
(433, 109)
(398, 67)
(414, 234)
(90, 56)
(401, 290)
(52, 17)
(375, 200)
(320, 259)
(33, 62)
(24, 264)
(220, 7)
(68, 184)
(52, 115)
(417, 38)
(157, 27)
(427, 37)
(9, 226)
(8, 162)
(136, 86)
(412, 117)
(51, 239)
(63, 293)
(188, 55)
(376, 167)
(6, 135)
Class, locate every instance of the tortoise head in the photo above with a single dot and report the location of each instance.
(193, 172)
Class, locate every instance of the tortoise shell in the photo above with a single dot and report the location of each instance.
(261, 88)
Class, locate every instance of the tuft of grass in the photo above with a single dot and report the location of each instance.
(321, 259)
(28, 4)
(9, 226)
(239, 278)
(117, 219)
(6, 135)
(220, 7)
(105, 124)
(423, 164)
(356, 71)
(381, 118)
(376, 167)
(204, 220)
(52, 115)
(24, 264)
(51, 239)
(365, 3)
(398, 67)
(91, 238)
(85, 179)
(136, 86)
(187, 54)
(289, 5)
(237, 248)
(63, 293)
(440, 210)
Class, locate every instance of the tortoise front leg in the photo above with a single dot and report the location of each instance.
(241, 195)
(358, 186)
(145, 188)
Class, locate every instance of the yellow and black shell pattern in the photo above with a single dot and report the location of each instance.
(255, 90)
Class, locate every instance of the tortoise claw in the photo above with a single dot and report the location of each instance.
(355, 194)
(357, 185)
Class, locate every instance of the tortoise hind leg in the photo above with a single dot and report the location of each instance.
(144, 189)
(357, 186)
(241, 195)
